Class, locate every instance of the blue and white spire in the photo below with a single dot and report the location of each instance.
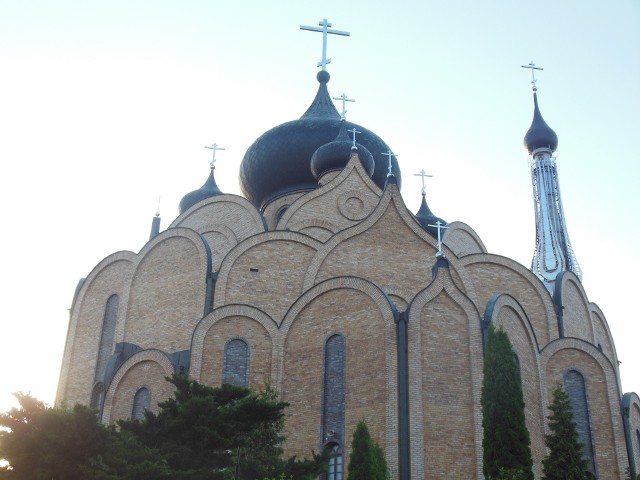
(553, 253)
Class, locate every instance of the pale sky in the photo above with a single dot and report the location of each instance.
(106, 106)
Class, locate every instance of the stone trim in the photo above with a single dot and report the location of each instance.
(122, 256)
(443, 283)
(224, 198)
(151, 355)
(220, 313)
(237, 251)
(612, 385)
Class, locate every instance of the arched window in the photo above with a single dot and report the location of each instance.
(576, 389)
(106, 336)
(141, 402)
(236, 363)
(336, 462)
(97, 394)
(333, 401)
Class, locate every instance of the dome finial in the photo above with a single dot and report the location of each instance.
(390, 154)
(540, 136)
(344, 99)
(215, 148)
(423, 174)
(209, 189)
(325, 31)
(354, 131)
(533, 68)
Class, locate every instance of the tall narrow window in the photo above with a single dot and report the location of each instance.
(236, 363)
(333, 397)
(576, 389)
(107, 335)
(97, 394)
(638, 449)
(336, 467)
(141, 402)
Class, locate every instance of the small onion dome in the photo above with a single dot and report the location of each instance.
(279, 161)
(209, 189)
(426, 218)
(335, 155)
(540, 135)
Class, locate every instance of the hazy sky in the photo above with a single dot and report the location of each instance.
(106, 106)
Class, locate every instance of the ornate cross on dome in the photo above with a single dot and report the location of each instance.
(533, 67)
(390, 154)
(344, 99)
(423, 174)
(439, 225)
(325, 31)
(354, 131)
(215, 148)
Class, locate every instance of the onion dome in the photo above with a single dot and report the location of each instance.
(279, 161)
(209, 189)
(540, 135)
(335, 155)
(426, 218)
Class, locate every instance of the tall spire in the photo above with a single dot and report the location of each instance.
(553, 253)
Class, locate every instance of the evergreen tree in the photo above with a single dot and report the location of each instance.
(220, 433)
(68, 444)
(506, 441)
(565, 461)
(366, 461)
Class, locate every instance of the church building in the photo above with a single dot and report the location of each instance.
(320, 281)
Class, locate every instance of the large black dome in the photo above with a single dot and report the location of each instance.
(279, 161)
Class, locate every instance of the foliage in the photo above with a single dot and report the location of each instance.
(506, 441)
(200, 433)
(57, 443)
(565, 461)
(366, 461)
(220, 433)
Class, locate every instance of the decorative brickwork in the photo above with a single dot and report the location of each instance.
(347, 312)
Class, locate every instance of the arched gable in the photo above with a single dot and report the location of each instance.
(603, 337)
(147, 368)
(602, 397)
(266, 271)
(224, 324)
(571, 300)
(493, 274)
(223, 221)
(344, 201)
(389, 248)
(110, 277)
(631, 419)
(360, 312)
(167, 295)
(462, 240)
(437, 357)
(505, 311)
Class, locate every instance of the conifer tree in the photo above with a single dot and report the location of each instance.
(565, 461)
(366, 461)
(506, 441)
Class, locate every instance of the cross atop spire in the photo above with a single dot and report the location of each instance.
(390, 154)
(533, 68)
(215, 148)
(325, 31)
(354, 131)
(344, 99)
(423, 174)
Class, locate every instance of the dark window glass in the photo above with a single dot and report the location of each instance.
(141, 402)
(236, 363)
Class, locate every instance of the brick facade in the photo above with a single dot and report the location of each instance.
(346, 259)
